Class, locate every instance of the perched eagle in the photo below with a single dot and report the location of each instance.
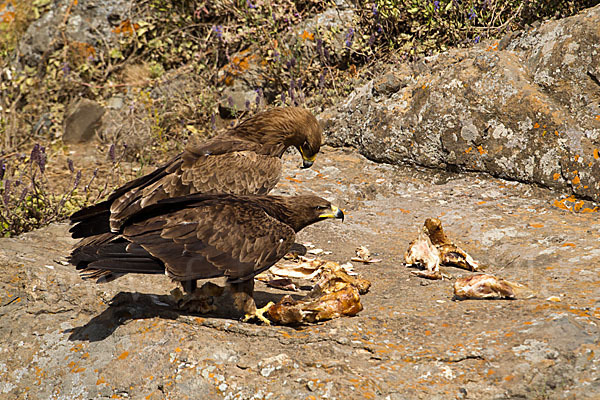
(202, 236)
(244, 160)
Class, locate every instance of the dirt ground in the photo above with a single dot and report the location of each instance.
(60, 338)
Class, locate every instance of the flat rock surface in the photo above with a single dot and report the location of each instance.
(60, 338)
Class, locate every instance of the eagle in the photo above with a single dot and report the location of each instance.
(244, 160)
(203, 236)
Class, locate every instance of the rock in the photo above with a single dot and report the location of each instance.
(125, 338)
(90, 22)
(527, 111)
(332, 27)
(116, 102)
(238, 99)
(82, 121)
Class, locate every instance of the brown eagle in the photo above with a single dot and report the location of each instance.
(203, 236)
(244, 160)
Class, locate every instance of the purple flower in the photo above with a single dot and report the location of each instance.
(42, 162)
(283, 98)
(375, 11)
(111, 153)
(249, 4)
(326, 53)
(247, 105)
(349, 37)
(291, 63)
(259, 95)
(6, 196)
(436, 5)
(65, 68)
(77, 179)
(472, 14)
(477, 39)
(38, 156)
(213, 122)
(291, 89)
(218, 29)
(372, 39)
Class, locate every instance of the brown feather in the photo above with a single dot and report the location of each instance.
(203, 236)
(244, 160)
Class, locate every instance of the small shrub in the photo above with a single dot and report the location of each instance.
(29, 198)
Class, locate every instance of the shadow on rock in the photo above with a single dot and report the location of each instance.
(127, 306)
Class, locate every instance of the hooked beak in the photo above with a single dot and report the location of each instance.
(334, 213)
(307, 162)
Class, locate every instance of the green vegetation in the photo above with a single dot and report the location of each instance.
(208, 46)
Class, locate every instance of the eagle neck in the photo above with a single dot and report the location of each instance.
(276, 208)
(274, 136)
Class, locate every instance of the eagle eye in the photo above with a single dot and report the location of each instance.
(305, 148)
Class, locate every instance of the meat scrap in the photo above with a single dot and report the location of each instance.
(432, 249)
(486, 286)
(336, 294)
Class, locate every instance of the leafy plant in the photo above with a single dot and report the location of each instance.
(29, 199)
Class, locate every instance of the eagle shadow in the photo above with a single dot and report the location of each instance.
(128, 306)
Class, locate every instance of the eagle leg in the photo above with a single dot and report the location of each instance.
(243, 301)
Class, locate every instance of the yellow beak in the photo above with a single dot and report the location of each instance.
(307, 162)
(335, 213)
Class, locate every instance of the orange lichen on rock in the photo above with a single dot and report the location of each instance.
(82, 50)
(7, 13)
(126, 28)
(307, 36)
(560, 204)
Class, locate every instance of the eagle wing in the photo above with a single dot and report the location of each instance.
(237, 240)
(223, 166)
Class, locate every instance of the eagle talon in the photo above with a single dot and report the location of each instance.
(201, 301)
(178, 296)
(259, 313)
